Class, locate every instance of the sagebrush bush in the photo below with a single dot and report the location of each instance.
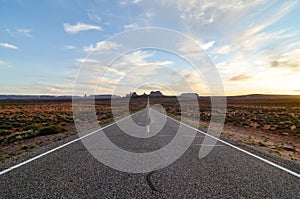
(52, 129)
(18, 136)
(36, 130)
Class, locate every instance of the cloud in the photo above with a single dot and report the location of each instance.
(102, 47)
(131, 26)
(10, 46)
(223, 50)
(290, 60)
(149, 13)
(269, 20)
(73, 29)
(125, 2)
(208, 12)
(24, 31)
(4, 65)
(194, 51)
(139, 59)
(64, 88)
(263, 40)
(94, 17)
(241, 77)
(237, 64)
(19, 32)
(87, 61)
(136, 1)
(94, 67)
(207, 45)
(133, 70)
(69, 47)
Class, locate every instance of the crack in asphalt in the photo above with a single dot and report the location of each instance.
(150, 183)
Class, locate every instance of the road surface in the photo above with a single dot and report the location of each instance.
(72, 172)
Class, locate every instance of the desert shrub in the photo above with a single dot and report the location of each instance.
(6, 127)
(35, 127)
(52, 129)
(16, 124)
(262, 144)
(5, 132)
(18, 136)
(36, 130)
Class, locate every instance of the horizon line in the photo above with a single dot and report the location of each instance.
(71, 95)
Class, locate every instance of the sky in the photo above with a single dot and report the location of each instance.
(50, 47)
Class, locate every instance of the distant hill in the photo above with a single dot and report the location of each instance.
(153, 94)
(265, 96)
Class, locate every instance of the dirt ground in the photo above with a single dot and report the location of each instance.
(287, 146)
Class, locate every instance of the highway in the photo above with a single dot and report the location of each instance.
(72, 172)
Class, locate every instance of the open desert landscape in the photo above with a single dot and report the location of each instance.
(268, 122)
(150, 99)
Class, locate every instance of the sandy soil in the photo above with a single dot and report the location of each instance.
(260, 138)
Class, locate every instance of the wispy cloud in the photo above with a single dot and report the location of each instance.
(208, 12)
(101, 47)
(87, 61)
(73, 29)
(269, 20)
(69, 47)
(130, 26)
(10, 46)
(19, 32)
(222, 50)
(93, 17)
(26, 32)
(136, 1)
(139, 59)
(289, 60)
(125, 2)
(240, 77)
(64, 88)
(194, 50)
(126, 72)
(4, 64)
(207, 45)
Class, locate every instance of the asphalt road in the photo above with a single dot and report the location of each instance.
(72, 172)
